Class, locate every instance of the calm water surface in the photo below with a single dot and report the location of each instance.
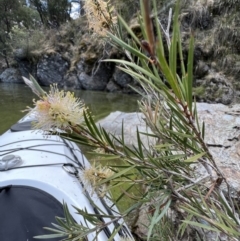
(15, 97)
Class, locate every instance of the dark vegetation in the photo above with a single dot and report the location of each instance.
(22, 27)
(45, 27)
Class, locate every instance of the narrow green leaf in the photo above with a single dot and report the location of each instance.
(181, 134)
(157, 217)
(173, 48)
(195, 115)
(139, 144)
(104, 156)
(126, 46)
(229, 211)
(181, 55)
(183, 86)
(115, 231)
(49, 236)
(190, 73)
(200, 225)
(94, 128)
(129, 30)
(135, 206)
(178, 113)
(61, 225)
(69, 219)
(136, 67)
(195, 158)
(88, 123)
(35, 87)
(184, 225)
(142, 25)
(159, 44)
(107, 138)
(163, 146)
(169, 76)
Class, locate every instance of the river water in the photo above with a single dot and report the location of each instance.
(15, 97)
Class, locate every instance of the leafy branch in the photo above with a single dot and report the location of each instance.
(165, 169)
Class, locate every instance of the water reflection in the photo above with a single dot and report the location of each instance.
(15, 97)
(102, 103)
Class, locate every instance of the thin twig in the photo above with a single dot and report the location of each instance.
(175, 192)
(166, 32)
(199, 180)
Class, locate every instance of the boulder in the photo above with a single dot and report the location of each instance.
(11, 75)
(71, 81)
(222, 135)
(26, 68)
(122, 79)
(51, 69)
(222, 127)
(99, 79)
(216, 88)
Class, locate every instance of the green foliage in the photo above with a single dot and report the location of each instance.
(5, 46)
(26, 43)
(12, 12)
(29, 18)
(41, 9)
(8, 12)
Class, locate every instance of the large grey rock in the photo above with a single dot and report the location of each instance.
(98, 79)
(122, 78)
(20, 54)
(11, 75)
(223, 138)
(71, 81)
(217, 89)
(222, 134)
(26, 68)
(51, 69)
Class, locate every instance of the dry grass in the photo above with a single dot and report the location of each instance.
(197, 16)
(225, 6)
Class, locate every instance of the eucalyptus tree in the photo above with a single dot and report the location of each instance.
(58, 11)
(8, 12)
(41, 8)
(12, 13)
(52, 12)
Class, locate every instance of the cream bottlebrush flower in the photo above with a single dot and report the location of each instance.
(58, 110)
(99, 16)
(94, 175)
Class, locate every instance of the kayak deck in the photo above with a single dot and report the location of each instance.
(54, 165)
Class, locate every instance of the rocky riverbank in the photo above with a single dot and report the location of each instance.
(74, 60)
